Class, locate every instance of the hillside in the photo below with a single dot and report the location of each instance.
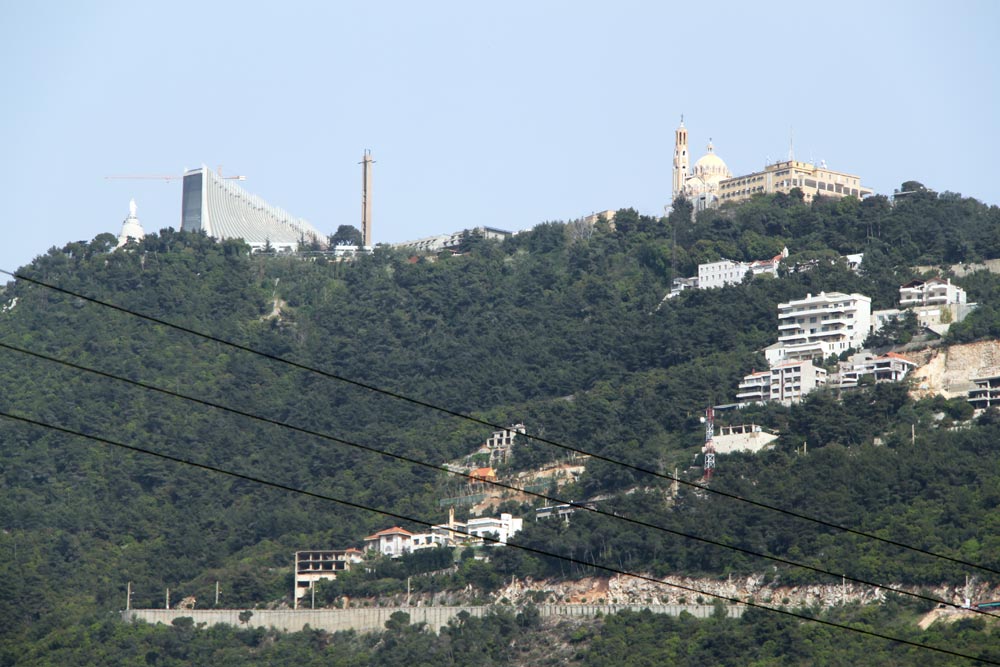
(563, 328)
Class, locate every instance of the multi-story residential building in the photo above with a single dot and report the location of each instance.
(755, 388)
(986, 392)
(792, 380)
(498, 528)
(787, 382)
(501, 443)
(936, 302)
(932, 292)
(821, 325)
(889, 367)
(315, 565)
(721, 273)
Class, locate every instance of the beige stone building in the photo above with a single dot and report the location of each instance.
(784, 176)
(710, 183)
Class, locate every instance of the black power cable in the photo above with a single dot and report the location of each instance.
(453, 413)
(533, 550)
(502, 485)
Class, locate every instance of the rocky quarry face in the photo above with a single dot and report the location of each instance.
(629, 590)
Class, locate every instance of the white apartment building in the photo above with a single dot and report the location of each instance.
(755, 388)
(499, 528)
(933, 292)
(721, 273)
(787, 382)
(821, 325)
(727, 272)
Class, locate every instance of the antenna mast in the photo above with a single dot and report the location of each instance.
(709, 448)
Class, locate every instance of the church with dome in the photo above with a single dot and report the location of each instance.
(710, 183)
(699, 185)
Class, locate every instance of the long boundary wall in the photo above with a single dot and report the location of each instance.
(369, 619)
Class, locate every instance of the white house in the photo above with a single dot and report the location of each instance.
(393, 542)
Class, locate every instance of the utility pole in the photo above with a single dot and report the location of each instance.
(216, 593)
(128, 596)
(167, 605)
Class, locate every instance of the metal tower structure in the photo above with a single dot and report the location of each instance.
(709, 448)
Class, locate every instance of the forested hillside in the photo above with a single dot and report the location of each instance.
(564, 328)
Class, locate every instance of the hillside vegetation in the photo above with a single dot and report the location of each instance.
(564, 328)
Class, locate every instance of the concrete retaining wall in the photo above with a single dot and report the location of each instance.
(368, 619)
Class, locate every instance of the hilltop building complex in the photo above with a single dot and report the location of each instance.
(710, 182)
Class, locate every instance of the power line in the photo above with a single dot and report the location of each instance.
(533, 550)
(446, 470)
(453, 413)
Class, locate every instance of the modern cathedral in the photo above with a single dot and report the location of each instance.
(710, 183)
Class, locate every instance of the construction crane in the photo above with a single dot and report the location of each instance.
(169, 177)
(709, 448)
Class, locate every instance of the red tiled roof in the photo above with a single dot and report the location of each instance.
(395, 530)
(896, 355)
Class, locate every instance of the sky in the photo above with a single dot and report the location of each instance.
(498, 114)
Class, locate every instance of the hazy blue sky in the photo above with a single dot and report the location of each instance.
(504, 114)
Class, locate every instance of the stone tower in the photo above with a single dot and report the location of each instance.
(681, 159)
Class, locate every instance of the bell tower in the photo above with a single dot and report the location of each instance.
(681, 159)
